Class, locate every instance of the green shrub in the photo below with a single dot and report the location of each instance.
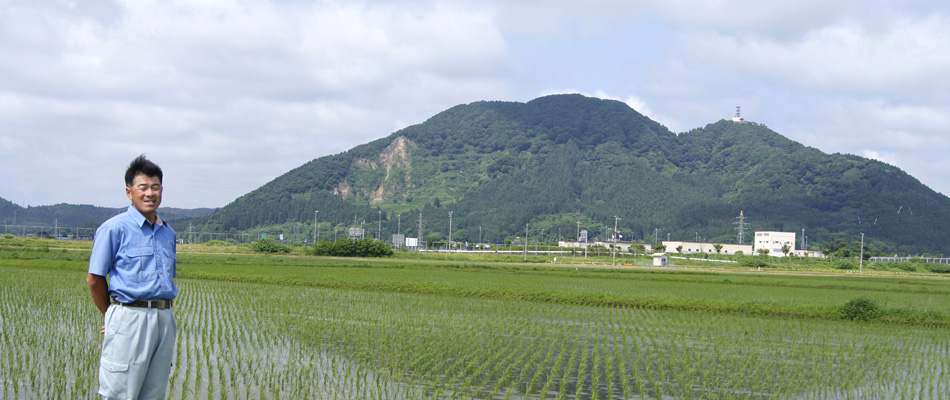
(906, 267)
(937, 268)
(843, 264)
(753, 262)
(269, 246)
(893, 265)
(217, 243)
(352, 248)
(880, 266)
(8, 236)
(860, 309)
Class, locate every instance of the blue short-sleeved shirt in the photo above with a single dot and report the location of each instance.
(138, 258)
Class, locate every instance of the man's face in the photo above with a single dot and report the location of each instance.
(145, 193)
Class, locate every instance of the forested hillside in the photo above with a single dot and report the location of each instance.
(81, 215)
(561, 160)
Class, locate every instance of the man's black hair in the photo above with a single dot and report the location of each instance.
(141, 165)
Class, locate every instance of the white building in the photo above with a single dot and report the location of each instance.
(622, 246)
(808, 253)
(706, 247)
(774, 241)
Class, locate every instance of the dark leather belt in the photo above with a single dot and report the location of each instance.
(158, 304)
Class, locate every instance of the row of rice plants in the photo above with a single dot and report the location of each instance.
(49, 346)
(249, 341)
(916, 301)
(232, 344)
(510, 349)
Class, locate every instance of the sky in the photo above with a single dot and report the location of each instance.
(226, 95)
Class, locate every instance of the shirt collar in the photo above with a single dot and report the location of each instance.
(140, 219)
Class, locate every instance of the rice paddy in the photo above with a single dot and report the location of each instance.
(240, 340)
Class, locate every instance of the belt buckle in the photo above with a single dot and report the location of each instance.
(160, 304)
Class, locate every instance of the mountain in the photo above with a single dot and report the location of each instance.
(561, 161)
(82, 215)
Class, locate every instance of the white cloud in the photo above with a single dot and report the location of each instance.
(875, 155)
(228, 94)
(903, 58)
(238, 91)
(566, 19)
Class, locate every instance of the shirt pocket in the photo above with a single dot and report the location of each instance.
(141, 264)
(171, 262)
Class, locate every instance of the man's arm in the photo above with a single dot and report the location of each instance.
(99, 289)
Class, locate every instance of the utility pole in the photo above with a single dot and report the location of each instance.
(861, 262)
(614, 252)
(399, 224)
(526, 241)
(316, 238)
(379, 226)
(450, 229)
(586, 244)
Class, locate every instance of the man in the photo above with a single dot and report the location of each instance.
(136, 250)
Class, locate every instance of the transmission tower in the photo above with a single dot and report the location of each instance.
(741, 226)
(420, 226)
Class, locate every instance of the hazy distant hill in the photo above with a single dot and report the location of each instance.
(81, 215)
(559, 160)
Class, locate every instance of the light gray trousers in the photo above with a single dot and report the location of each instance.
(137, 353)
